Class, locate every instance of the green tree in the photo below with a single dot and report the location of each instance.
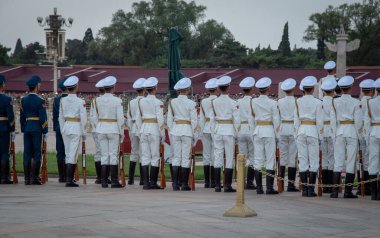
(4, 58)
(229, 53)
(284, 46)
(18, 49)
(31, 53)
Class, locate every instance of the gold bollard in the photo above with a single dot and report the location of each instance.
(240, 209)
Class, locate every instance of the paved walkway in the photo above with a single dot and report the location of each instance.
(52, 211)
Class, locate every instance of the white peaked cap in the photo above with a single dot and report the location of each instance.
(309, 81)
(346, 81)
(247, 82)
(330, 65)
(211, 83)
(288, 84)
(367, 83)
(329, 84)
(182, 84)
(150, 82)
(139, 83)
(71, 81)
(223, 81)
(263, 82)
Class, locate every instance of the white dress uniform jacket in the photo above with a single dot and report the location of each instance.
(133, 131)
(93, 122)
(327, 143)
(72, 121)
(245, 134)
(363, 143)
(372, 122)
(205, 129)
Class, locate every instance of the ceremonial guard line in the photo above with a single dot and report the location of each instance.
(325, 133)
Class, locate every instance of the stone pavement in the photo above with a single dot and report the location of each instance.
(52, 211)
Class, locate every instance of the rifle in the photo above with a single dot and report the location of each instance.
(192, 170)
(44, 177)
(279, 175)
(12, 158)
(162, 167)
(320, 175)
(362, 188)
(84, 172)
(121, 161)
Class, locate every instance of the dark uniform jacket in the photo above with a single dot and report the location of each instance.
(7, 117)
(33, 117)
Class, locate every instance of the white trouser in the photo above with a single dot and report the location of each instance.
(208, 149)
(374, 156)
(308, 153)
(288, 151)
(246, 148)
(345, 147)
(265, 150)
(135, 148)
(363, 145)
(327, 153)
(150, 147)
(224, 145)
(71, 147)
(182, 149)
(97, 154)
(109, 148)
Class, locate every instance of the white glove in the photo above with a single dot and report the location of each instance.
(45, 137)
(84, 137)
(13, 136)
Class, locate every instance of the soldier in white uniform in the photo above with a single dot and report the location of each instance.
(72, 122)
(97, 155)
(182, 122)
(206, 133)
(225, 117)
(367, 92)
(330, 68)
(327, 144)
(245, 138)
(345, 116)
(110, 119)
(308, 121)
(267, 121)
(138, 85)
(287, 144)
(372, 123)
(149, 122)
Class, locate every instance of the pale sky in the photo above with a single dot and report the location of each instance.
(252, 22)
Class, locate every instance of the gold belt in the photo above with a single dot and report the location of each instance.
(225, 121)
(32, 118)
(3, 118)
(150, 120)
(264, 123)
(244, 122)
(72, 119)
(326, 123)
(347, 122)
(207, 119)
(308, 123)
(107, 120)
(287, 121)
(375, 123)
(183, 122)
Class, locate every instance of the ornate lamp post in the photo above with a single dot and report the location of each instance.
(54, 23)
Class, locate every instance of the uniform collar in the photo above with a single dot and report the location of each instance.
(182, 96)
(345, 96)
(71, 95)
(366, 97)
(290, 97)
(224, 96)
(247, 97)
(327, 97)
(151, 96)
(213, 96)
(263, 96)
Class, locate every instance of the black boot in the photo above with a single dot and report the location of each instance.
(229, 174)
(141, 177)
(358, 187)
(282, 175)
(36, 173)
(98, 170)
(212, 177)
(259, 182)
(154, 177)
(330, 175)
(27, 172)
(104, 176)
(217, 179)
(348, 189)
(108, 175)
(5, 172)
(206, 171)
(325, 180)
(250, 177)
(185, 179)
(179, 176)
(70, 169)
(270, 180)
(303, 176)
(115, 177)
(292, 176)
(61, 170)
(131, 173)
(378, 190)
(310, 189)
(367, 187)
(335, 190)
(145, 176)
(175, 178)
(374, 190)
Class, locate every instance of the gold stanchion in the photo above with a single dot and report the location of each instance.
(240, 209)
